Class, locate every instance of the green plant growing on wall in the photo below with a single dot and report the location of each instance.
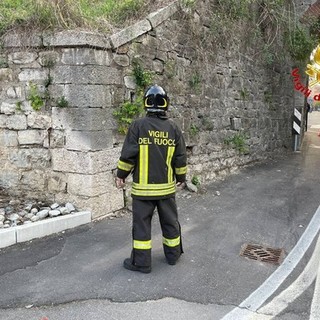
(269, 100)
(273, 26)
(170, 67)
(19, 106)
(36, 100)
(268, 56)
(194, 130)
(314, 27)
(130, 110)
(142, 77)
(188, 3)
(234, 9)
(238, 141)
(280, 29)
(300, 44)
(126, 113)
(3, 62)
(195, 82)
(268, 96)
(244, 94)
(62, 102)
(207, 124)
(48, 62)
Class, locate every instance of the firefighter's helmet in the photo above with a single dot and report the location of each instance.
(155, 99)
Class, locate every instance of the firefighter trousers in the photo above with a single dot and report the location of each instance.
(142, 212)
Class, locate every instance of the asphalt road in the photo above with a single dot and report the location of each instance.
(78, 274)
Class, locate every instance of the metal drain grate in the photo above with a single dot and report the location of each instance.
(262, 253)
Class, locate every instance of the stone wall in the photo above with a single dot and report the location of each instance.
(68, 150)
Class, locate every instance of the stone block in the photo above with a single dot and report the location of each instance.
(84, 162)
(83, 119)
(22, 40)
(89, 140)
(73, 38)
(38, 121)
(23, 57)
(49, 226)
(25, 107)
(49, 58)
(71, 161)
(3, 121)
(235, 123)
(33, 75)
(8, 138)
(34, 180)
(9, 178)
(16, 122)
(6, 74)
(90, 185)
(130, 33)
(56, 138)
(158, 66)
(121, 60)
(130, 83)
(84, 96)
(87, 75)
(14, 92)
(7, 237)
(31, 158)
(163, 14)
(8, 108)
(106, 203)
(26, 137)
(86, 56)
(57, 182)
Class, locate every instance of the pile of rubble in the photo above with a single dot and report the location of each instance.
(17, 213)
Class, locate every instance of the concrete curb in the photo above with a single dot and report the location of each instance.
(7, 237)
(43, 228)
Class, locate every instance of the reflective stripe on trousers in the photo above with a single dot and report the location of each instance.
(171, 242)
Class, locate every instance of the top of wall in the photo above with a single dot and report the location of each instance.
(76, 38)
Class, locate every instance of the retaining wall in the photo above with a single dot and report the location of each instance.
(67, 151)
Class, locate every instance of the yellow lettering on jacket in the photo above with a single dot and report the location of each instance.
(158, 134)
(144, 141)
(164, 142)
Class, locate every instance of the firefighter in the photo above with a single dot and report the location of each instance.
(154, 152)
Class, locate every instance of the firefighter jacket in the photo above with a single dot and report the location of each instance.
(154, 151)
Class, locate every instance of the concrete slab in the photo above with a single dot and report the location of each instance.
(7, 237)
(49, 226)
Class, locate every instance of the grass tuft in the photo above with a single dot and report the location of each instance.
(98, 15)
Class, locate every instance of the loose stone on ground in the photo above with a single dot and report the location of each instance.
(17, 213)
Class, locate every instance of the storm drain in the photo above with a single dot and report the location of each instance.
(262, 253)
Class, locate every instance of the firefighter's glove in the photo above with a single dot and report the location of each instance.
(120, 183)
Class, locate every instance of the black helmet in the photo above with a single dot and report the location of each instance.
(155, 99)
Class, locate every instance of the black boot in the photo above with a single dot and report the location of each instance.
(127, 263)
(171, 262)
